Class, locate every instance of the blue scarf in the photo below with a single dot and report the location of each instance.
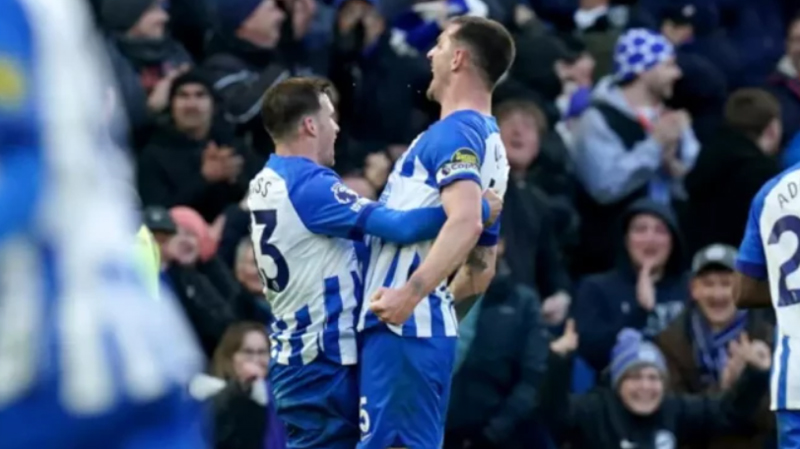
(712, 347)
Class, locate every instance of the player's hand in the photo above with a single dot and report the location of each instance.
(567, 342)
(495, 206)
(393, 305)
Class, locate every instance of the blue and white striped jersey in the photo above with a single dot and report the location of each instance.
(75, 317)
(770, 251)
(307, 229)
(465, 145)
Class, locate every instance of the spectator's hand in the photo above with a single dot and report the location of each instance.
(567, 342)
(667, 130)
(734, 367)
(755, 353)
(645, 287)
(495, 206)
(303, 12)
(376, 169)
(523, 14)
(349, 15)
(555, 308)
(159, 97)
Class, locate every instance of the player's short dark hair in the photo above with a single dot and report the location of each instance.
(287, 102)
(751, 110)
(526, 107)
(492, 46)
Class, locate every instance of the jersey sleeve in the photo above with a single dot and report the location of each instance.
(491, 235)
(328, 207)
(456, 153)
(20, 120)
(751, 260)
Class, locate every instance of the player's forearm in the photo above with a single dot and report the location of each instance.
(751, 293)
(455, 241)
(473, 278)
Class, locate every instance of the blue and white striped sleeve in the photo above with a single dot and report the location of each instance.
(21, 155)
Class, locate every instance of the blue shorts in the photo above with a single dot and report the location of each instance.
(318, 403)
(175, 421)
(788, 429)
(405, 387)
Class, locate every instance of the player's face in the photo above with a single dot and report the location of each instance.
(520, 134)
(255, 349)
(263, 27)
(151, 24)
(192, 107)
(642, 390)
(649, 241)
(660, 80)
(441, 58)
(713, 293)
(327, 130)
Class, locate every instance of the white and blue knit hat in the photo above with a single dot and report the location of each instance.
(633, 351)
(639, 50)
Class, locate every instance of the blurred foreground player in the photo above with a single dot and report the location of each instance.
(410, 326)
(769, 274)
(87, 358)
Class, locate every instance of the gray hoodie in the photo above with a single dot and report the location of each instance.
(607, 169)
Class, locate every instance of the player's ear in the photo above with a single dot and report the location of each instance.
(309, 125)
(459, 59)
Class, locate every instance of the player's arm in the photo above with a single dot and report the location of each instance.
(21, 166)
(473, 278)
(751, 289)
(328, 207)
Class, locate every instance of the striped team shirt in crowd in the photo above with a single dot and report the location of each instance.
(465, 145)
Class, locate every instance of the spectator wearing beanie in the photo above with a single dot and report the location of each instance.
(144, 57)
(636, 410)
(192, 160)
(628, 145)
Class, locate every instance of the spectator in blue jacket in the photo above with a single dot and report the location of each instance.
(645, 291)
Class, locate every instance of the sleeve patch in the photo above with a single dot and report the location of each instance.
(465, 156)
(343, 194)
(12, 84)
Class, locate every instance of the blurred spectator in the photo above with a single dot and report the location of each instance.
(360, 185)
(495, 394)
(785, 82)
(191, 160)
(600, 24)
(696, 345)
(368, 56)
(529, 218)
(636, 411)
(627, 146)
(208, 311)
(646, 290)
(243, 61)
(251, 305)
(144, 57)
(243, 410)
(734, 164)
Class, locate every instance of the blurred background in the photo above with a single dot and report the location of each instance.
(637, 132)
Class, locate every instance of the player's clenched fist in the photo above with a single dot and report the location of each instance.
(392, 305)
(495, 206)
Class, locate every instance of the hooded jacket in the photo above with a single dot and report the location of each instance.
(606, 302)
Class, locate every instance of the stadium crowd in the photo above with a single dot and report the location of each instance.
(632, 173)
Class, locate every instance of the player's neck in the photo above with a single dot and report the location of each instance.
(296, 149)
(466, 97)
